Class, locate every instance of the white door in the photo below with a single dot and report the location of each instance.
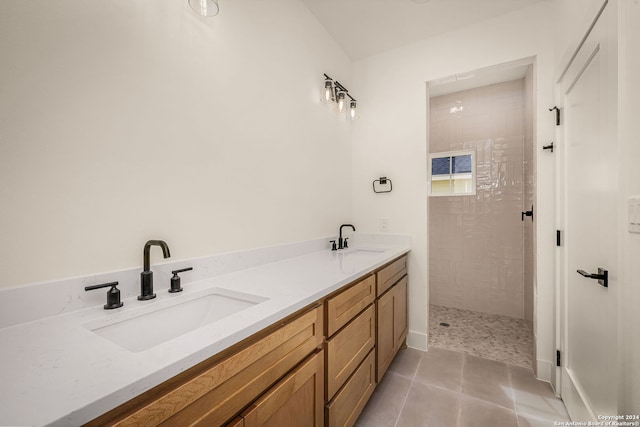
(589, 326)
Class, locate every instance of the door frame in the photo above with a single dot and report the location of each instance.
(531, 61)
(569, 391)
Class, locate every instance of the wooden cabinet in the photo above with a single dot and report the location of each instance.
(297, 400)
(391, 320)
(212, 393)
(289, 374)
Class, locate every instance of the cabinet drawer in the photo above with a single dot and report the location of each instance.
(346, 305)
(214, 396)
(351, 399)
(390, 274)
(348, 348)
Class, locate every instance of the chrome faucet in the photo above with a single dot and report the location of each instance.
(342, 243)
(146, 277)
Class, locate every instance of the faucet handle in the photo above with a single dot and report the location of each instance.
(175, 280)
(333, 245)
(345, 244)
(113, 294)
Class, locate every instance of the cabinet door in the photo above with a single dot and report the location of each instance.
(400, 313)
(297, 400)
(392, 325)
(384, 337)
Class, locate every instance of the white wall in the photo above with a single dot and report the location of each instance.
(128, 120)
(391, 139)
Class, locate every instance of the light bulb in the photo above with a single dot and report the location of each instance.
(205, 7)
(328, 91)
(341, 101)
(352, 109)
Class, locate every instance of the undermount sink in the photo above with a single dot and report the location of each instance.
(139, 332)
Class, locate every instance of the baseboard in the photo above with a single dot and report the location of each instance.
(417, 340)
(543, 370)
(574, 399)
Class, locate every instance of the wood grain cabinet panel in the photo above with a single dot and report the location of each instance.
(344, 409)
(237, 422)
(391, 320)
(348, 348)
(400, 326)
(297, 400)
(384, 334)
(347, 304)
(390, 274)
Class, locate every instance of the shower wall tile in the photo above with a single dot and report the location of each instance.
(476, 242)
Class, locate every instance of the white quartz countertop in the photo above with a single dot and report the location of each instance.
(56, 371)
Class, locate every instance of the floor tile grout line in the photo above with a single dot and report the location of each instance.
(404, 402)
(415, 373)
(513, 395)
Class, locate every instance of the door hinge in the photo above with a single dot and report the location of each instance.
(557, 110)
(558, 237)
(558, 358)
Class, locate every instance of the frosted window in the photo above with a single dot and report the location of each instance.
(452, 174)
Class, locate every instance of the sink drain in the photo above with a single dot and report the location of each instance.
(445, 324)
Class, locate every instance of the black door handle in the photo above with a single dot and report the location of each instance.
(528, 213)
(602, 277)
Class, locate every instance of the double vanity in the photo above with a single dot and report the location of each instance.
(291, 335)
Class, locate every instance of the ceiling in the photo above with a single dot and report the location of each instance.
(483, 77)
(368, 27)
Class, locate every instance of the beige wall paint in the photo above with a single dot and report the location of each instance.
(476, 242)
(124, 121)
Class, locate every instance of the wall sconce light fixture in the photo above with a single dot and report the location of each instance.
(205, 7)
(335, 92)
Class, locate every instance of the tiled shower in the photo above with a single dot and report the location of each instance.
(480, 250)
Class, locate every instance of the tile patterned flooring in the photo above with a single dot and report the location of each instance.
(443, 388)
(500, 338)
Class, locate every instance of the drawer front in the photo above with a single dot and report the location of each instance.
(346, 305)
(216, 395)
(348, 348)
(391, 274)
(345, 408)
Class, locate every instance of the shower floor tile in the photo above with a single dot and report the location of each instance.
(500, 338)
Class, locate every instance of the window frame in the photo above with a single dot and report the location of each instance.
(451, 175)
